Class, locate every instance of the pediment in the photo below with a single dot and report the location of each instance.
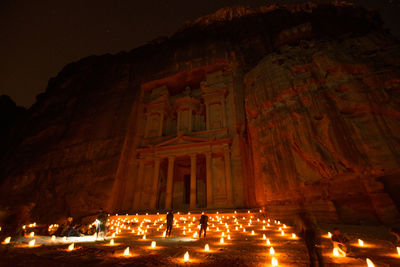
(183, 140)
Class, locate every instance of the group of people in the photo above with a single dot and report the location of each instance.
(70, 228)
(203, 224)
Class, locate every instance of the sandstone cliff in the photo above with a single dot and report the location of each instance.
(323, 122)
(316, 119)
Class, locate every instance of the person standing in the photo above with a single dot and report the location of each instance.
(307, 230)
(101, 223)
(170, 221)
(203, 225)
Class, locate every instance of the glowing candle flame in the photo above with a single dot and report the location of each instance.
(264, 237)
(282, 233)
(164, 234)
(274, 261)
(360, 242)
(71, 247)
(32, 234)
(186, 256)
(144, 237)
(336, 252)
(221, 240)
(293, 235)
(195, 235)
(32, 243)
(206, 247)
(153, 244)
(370, 263)
(229, 237)
(65, 239)
(112, 242)
(252, 232)
(268, 243)
(329, 234)
(126, 252)
(398, 250)
(53, 238)
(7, 240)
(271, 251)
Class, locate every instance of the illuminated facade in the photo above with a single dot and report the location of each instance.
(186, 153)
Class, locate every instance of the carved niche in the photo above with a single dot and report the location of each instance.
(214, 92)
(185, 107)
(157, 109)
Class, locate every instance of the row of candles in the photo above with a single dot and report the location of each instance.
(120, 223)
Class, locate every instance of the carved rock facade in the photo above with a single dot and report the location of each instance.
(277, 107)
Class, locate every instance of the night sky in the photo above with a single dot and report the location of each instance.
(38, 38)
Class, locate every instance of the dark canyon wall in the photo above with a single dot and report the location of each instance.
(321, 86)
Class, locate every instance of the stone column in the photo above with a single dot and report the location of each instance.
(207, 116)
(228, 176)
(139, 182)
(209, 180)
(170, 177)
(193, 181)
(156, 175)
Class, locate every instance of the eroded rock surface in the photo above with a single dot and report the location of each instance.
(323, 122)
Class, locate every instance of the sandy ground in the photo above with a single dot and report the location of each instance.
(243, 249)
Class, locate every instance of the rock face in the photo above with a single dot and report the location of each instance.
(317, 87)
(329, 112)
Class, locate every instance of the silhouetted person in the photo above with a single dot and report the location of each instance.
(74, 231)
(340, 241)
(203, 225)
(66, 226)
(101, 223)
(307, 230)
(170, 221)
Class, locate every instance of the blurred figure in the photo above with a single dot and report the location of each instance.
(340, 241)
(66, 227)
(101, 223)
(307, 230)
(170, 221)
(203, 225)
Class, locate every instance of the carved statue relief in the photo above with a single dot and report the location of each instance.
(216, 116)
(184, 120)
(153, 125)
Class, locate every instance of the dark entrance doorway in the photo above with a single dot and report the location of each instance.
(186, 179)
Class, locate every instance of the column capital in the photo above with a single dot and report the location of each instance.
(227, 149)
(171, 158)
